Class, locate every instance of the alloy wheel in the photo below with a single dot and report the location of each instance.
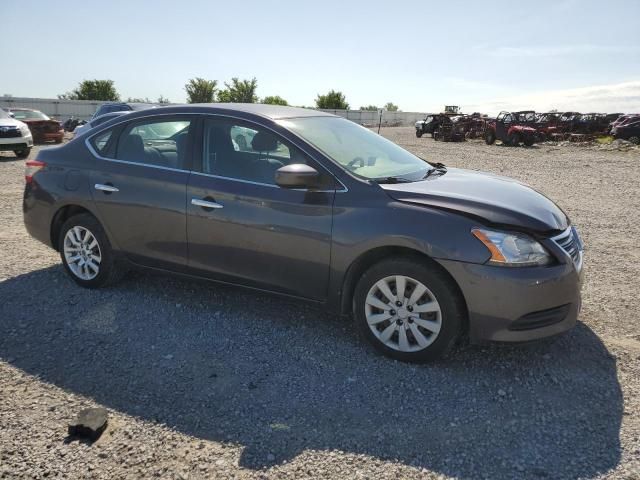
(403, 313)
(82, 253)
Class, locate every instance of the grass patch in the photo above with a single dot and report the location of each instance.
(604, 140)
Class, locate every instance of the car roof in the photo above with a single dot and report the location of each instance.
(22, 109)
(273, 112)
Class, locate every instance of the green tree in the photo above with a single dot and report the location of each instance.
(163, 99)
(240, 91)
(274, 100)
(369, 108)
(104, 90)
(391, 107)
(200, 90)
(332, 100)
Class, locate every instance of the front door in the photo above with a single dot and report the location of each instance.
(139, 188)
(242, 227)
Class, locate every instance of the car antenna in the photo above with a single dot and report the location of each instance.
(379, 121)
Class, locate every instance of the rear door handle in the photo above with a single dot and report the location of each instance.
(205, 203)
(105, 188)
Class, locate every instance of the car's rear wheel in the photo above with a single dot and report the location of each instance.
(86, 253)
(22, 154)
(635, 140)
(408, 310)
(489, 138)
(418, 133)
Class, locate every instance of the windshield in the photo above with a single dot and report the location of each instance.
(29, 115)
(357, 149)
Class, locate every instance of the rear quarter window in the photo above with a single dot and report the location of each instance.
(101, 143)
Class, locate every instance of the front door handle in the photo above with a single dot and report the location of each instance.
(105, 188)
(205, 203)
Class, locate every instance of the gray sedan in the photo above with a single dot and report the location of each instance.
(313, 206)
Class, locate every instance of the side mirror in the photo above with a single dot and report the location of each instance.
(297, 175)
(12, 115)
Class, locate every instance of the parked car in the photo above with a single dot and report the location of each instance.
(15, 135)
(95, 122)
(628, 131)
(110, 107)
(511, 128)
(43, 129)
(316, 207)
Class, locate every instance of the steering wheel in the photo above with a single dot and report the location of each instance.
(352, 164)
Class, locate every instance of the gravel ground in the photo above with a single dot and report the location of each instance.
(205, 381)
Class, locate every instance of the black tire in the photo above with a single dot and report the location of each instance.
(490, 137)
(418, 133)
(635, 140)
(513, 139)
(528, 141)
(436, 136)
(452, 306)
(110, 270)
(22, 154)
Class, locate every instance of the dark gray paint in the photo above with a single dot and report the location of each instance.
(309, 244)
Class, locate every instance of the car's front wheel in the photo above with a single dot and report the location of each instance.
(22, 154)
(408, 309)
(86, 253)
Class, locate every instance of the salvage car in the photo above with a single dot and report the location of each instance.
(43, 129)
(512, 128)
(428, 125)
(628, 131)
(315, 207)
(15, 135)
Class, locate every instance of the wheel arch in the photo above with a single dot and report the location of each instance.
(369, 258)
(63, 213)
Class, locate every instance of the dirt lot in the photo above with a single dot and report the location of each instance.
(204, 381)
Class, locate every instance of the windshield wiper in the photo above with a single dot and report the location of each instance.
(392, 180)
(438, 168)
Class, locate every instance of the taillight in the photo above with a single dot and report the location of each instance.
(31, 167)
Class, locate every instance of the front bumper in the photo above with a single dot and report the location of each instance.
(16, 143)
(518, 304)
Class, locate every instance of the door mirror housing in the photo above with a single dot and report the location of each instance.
(297, 175)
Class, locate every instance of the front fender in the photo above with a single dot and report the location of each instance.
(435, 233)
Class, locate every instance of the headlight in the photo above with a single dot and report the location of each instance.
(25, 130)
(512, 249)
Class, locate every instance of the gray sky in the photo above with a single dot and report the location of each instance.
(567, 54)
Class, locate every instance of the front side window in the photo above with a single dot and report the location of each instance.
(358, 149)
(243, 151)
(161, 143)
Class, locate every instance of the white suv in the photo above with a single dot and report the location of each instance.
(14, 135)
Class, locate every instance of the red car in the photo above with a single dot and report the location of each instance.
(511, 128)
(43, 129)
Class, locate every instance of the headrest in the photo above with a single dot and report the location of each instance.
(264, 142)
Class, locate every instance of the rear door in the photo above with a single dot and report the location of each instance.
(139, 187)
(242, 227)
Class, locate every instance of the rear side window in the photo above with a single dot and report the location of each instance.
(161, 143)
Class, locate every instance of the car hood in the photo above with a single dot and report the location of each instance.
(497, 200)
(11, 122)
